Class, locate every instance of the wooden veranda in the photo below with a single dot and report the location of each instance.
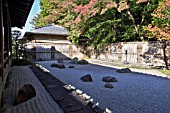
(13, 13)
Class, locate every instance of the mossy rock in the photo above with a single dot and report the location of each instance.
(124, 70)
(54, 65)
(108, 86)
(71, 67)
(109, 79)
(61, 66)
(83, 62)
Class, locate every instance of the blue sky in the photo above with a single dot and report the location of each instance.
(34, 10)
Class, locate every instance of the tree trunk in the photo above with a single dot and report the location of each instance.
(16, 50)
(133, 21)
(164, 53)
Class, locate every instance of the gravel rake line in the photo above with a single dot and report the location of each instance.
(23, 75)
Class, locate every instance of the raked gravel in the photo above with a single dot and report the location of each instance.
(41, 103)
(134, 92)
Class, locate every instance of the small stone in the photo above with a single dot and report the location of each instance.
(109, 79)
(124, 70)
(86, 78)
(109, 86)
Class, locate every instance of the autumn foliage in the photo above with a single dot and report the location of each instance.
(108, 21)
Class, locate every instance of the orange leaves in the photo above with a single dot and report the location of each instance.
(109, 5)
(122, 6)
(103, 11)
(84, 9)
(159, 16)
(160, 33)
(167, 3)
(94, 11)
(160, 11)
(141, 1)
(163, 31)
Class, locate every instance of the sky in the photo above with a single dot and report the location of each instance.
(34, 10)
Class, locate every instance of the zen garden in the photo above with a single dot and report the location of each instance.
(91, 56)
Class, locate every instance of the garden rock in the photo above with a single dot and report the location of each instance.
(109, 79)
(124, 70)
(86, 78)
(108, 86)
(61, 66)
(25, 93)
(83, 62)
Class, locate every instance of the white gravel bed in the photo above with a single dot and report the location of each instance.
(133, 93)
(41, 103)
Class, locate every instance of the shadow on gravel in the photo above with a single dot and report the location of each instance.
(133, 73)
(68, 99)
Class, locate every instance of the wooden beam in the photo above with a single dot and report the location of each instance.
(21, 3)
(16, 9)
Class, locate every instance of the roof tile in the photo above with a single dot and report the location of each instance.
(51, 29)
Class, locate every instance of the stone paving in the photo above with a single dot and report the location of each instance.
(134, 92)
(41, 103)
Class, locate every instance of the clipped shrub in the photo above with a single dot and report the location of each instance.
(74, 60)
(60, 61)
(21, 62)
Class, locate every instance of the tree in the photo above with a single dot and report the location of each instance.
(42, 19)
(102, 21)
(139, 12)
(160, 26)
(16, 34)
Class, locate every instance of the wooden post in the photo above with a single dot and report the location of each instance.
(6, 35)
(1, 53)
(1, 41)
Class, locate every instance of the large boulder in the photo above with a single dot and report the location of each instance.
(25, 93)
(109, 79)
(124, 70)
(86, 78)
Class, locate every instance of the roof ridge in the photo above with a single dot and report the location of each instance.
(43, 26)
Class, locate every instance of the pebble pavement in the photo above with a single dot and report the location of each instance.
(134, 92)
